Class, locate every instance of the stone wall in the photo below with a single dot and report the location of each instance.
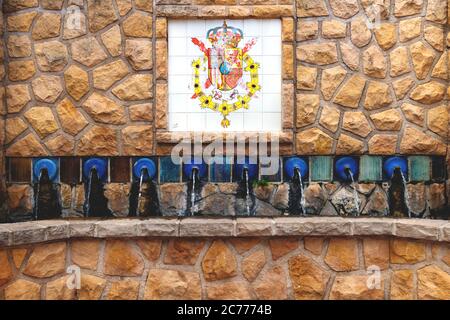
(231, 268)
(3, 204)
(88, 87)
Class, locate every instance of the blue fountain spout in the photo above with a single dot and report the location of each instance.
(346, 167)
(393, 163)
(200, 168)
(50, 165)
(295, 163)
(99, 164)
(144, 164)
(240, 168)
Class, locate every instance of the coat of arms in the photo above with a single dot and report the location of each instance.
(224, 90)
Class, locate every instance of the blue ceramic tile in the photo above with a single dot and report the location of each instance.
(371, 168)
(419, 168)
(221, 172)
(321, 168)
(198, 163)
(168, 171)
(273, 177)
(52, 165)
(253, 169)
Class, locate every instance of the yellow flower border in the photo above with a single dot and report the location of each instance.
(225, 108)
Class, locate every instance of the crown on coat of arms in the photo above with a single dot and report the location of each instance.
(225, 35)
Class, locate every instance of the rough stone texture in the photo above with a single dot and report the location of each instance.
(342, 254)
(184, 252)
(433, 283)
(282, 246)
(46, 260)
(172, 285)
(85, 253)
(253, 264)
(354, 288)
(122, 259)
(402, 283)
(404, 251)
(229, 291)
(123, 290)
(22, 290)
(219, 262)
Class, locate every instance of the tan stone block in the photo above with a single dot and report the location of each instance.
(308, 279)
(77, 82)
(436, 11)
(440, 70)
(288, 61)
(279, 247)
(46, 260)
(47, 88)
(378, 96)
(320, 54)
(92, 287)
(85, 253)
(273, 11)
(331, 80)
(71, 119)
(272, 286)
(307, 30)
(161, 60)
(60, 146)
(150, 248)
(100, 141)
(410, 29)
(74, 24)
(20, 22)
(161, 28)
(112, 39)
(350, 93)
(144, 5)
(349, 145)
(14, 127)
(357, 123)
(26, 147)
(314, 244)
(313, 141)
(172, 285)
(360, 33)
(342, 254)
(376, 253)
(137, 140)
(437, 120)
(141, 112)
(433, 283)
(88, 52)
(435, 37)
(21, 70)
(135, 87)
(161, 106)
(236, 290)
(389, 120)
(386, 35)
(100, 14)
(42, 120)
(404, 251)
(422, 58)
(253, 264)
(219, 262)
(374, 63)
(5, 268)
(23, 290)
(287, 29)
(399, 61)
(413, 113)
(19, 46)
(138, 25)
(402, 87)
(51, 56)
(18, 256)
(307, 108)
(418, 142)
(402, 285)
(428, 93)
(123, 290)
(122, 259)
(183, 251)
(344, 8)
(404, 8)
(139, 54)
(58, 289)
(333, 29)
(47, 25)
(355, 287)
(329, 118)
(239, 11)
(124, 6)
(311, 8)
(288, 105)
(350, 56)
(107, 75)
(242, 245)
(306, 78)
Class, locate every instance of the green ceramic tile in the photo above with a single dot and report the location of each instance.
(370, 168)
(419, 168)
(321, 168)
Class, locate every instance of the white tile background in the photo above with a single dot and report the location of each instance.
(264, 113)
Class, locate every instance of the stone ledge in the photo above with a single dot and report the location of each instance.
(51, 230)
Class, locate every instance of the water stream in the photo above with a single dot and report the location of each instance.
(194, 205)
(248, 201)
(355, 192)
(406, 193)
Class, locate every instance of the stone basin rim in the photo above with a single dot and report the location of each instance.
(23, 233)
